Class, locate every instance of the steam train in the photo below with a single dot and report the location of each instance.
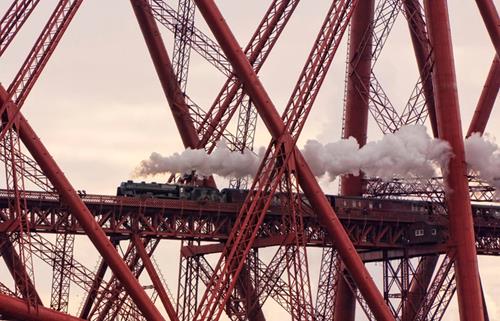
(419, 232)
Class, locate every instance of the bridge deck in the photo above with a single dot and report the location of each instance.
(370, 227)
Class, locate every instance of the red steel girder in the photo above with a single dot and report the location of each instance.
(329, 277)
(461, 228)
(307, 181)
(302, 111)
(205, 273)
(165, 71)
(36, 60)
(486, 100)
(187, 286)
(153, 274)
(199, 42)
(13, 20)
(18, 271)
(182, 38)
(18, 309)
(110, 301)
(440, 292)
(356, 122)
(92, 292)
(491, 20)
(82, 214)
(63, 249)
(421, 46)
(419, 285)
(232, 95)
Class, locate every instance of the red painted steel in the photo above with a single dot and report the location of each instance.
(182, 219)
(491, 20)
(13, 20)
(153, 274)
(356, 122)
(421, 47)
(17, 309)
(165, 72)
(231, 95)
(18, 271)
(419, 285)
(83, 215)
(307, 181)
(450, 129)
(92, 293)
(486, 100)
(38, 57)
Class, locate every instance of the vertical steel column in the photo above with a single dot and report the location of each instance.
(486, 100)
(308, 182)
(356, 123)
(356, 113)
(461, 226)
(165, 72)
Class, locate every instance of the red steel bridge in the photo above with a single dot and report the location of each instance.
(425, 236)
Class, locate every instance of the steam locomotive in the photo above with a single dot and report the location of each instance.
(168, 191)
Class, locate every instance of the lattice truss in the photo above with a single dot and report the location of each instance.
(228, 277)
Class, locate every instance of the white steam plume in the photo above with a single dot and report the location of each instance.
(409, 152)
(483, 155)
(222, 162)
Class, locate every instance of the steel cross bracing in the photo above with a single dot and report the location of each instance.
(49, 216)
(327, 285)
(13, 19)
(182, 37)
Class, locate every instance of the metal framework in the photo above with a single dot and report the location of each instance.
(285, 211)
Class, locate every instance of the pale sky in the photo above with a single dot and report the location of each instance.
(99, 109)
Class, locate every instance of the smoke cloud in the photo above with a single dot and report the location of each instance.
(410, 152)
(483, 155)
(222, 162)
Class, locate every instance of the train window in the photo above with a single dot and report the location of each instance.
(370, 205)
(433, 231)
(359, 203)
(419, 232)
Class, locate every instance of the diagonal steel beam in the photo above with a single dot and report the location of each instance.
(153, 274)
(18, 309)
(83, 215)
(491, 20)
(276, 127)
(13, 20)
(165, 71)
(18, 270)
(486, 100)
